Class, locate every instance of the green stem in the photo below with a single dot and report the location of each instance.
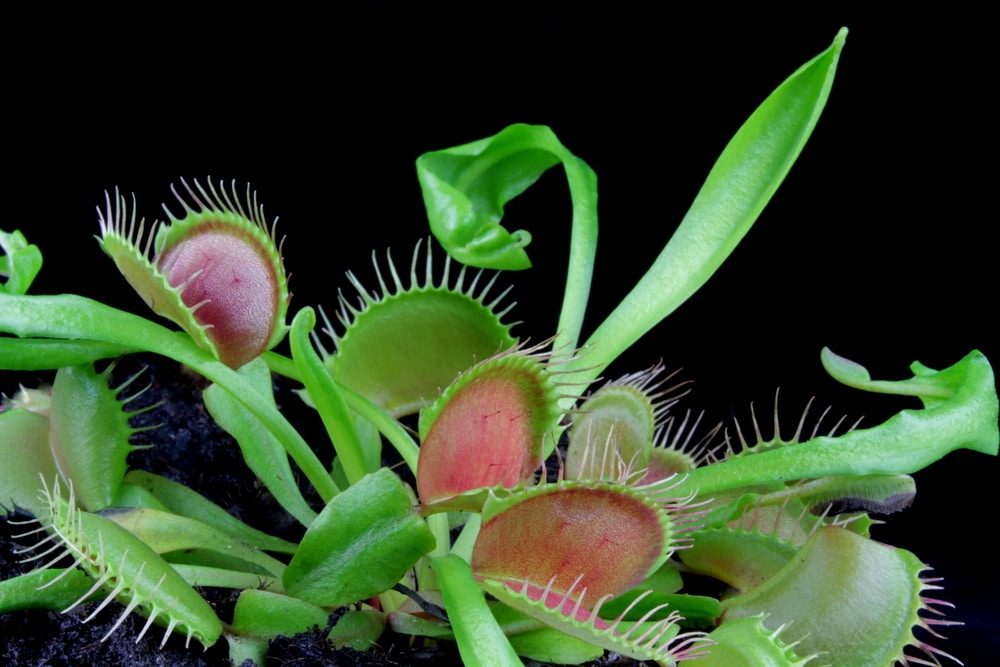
(281, 365)
(386, 425)
(33, 354)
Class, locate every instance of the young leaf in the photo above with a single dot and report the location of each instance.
(262, 451)
(20, 262)
(612, 434)
(466, 187)
(326, 396)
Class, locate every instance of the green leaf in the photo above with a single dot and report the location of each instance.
(51, 588)
(20, 262)
(269, 614)
(164, 532)
(907, 442)
(264, 614)
(466, 187)
(745, 642)
(184, 501)
(552, 646)
(852, 600)
(744, 178)
(481, 642)
(75, 317)
(360, 545)
(326, 397)
(693, 608)
(34, 354)
(25, 458)
(262, 451)
(89, 434)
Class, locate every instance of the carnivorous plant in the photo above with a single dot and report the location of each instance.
(551, 516)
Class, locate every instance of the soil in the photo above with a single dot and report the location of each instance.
(190, 448)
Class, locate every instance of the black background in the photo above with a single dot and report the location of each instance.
(878, 244)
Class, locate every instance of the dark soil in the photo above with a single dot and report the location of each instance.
(192, 449)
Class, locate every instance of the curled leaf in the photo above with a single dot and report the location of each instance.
(20, 262)
(466, 187)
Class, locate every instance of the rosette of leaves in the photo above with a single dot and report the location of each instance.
(215, 271)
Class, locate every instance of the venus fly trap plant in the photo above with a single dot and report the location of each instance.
(549, 516)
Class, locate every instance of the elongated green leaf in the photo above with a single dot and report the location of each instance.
(179, 499)
(34, 354)
(262, 451)
(744, 178)
(75, 317)
(481, 642)
(51, 588)
(165, 532)
(904, 444)
(325, 395)
(360, 545)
